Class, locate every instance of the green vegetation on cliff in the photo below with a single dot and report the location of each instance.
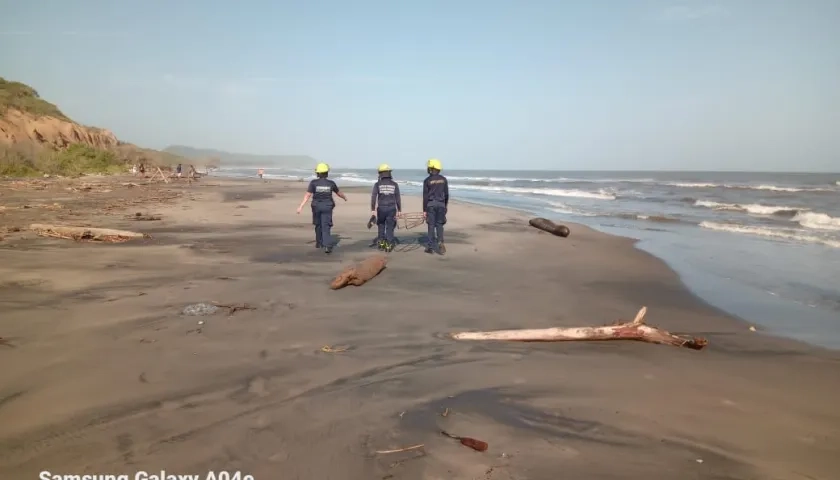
(26, 99)
(26, 158)
(75, 160)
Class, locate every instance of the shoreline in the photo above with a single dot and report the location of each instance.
(753, 307)
(142, 385)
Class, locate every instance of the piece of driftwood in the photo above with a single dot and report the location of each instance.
(85, 233)
(144, 217)
(360, 273)
(547, 225)
(477, 445)
(635, 330)
(404, 449)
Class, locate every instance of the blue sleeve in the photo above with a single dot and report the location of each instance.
(373, 196)
(445, 191)
(425, 193)
(311, 188)
(334, 187)
(397, 197)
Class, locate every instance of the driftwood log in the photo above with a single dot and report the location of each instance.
(360, 273)
(547, 225)
(635, 330)
(85, 233)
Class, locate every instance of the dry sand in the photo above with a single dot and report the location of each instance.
(103, 374)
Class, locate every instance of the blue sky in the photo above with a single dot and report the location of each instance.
(599, 84)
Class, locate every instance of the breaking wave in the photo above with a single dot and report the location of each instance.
(789, 235)
(817, 221)
(552, 192)
(752, 208)
(558, 207)
(806, 218)
(772, 188)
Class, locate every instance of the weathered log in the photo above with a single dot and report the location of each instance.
(84, 233)
(144, 217)
(360, 273)
(635, 330)
(547, 225)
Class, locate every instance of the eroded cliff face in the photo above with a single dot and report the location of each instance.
(17, 127)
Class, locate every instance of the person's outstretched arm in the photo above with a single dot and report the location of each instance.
(309, 191)
(446, 192)
(337, 192)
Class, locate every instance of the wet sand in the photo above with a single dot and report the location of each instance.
(102, 373)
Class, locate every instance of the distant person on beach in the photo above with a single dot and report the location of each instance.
(321, 191)
(143, 169)
(260, 173)
(435, 204)
(386, 205)
(178, 170)
(192, 174)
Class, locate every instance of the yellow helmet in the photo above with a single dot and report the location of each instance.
(322, 168)
(434, 163)
(384, 168)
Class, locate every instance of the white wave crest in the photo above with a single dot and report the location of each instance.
(772, 188)
(753, 208)
(817, 221)
(565, 209)
(770, 232)
(552, 192)
(349, 177)
(550, 180)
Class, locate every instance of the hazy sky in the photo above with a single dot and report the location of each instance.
(597, 84)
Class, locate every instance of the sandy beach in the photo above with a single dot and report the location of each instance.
(103, 373)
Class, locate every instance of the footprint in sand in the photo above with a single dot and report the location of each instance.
(257, 387)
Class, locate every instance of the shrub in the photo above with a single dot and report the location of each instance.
(24, 98)
(26, 160)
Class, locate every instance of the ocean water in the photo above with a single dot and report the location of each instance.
(762, 246)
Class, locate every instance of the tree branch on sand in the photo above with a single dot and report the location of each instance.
(635, 330)
(85, 233)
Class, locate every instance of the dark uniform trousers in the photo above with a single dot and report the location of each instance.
(322, 218)
(386, 221)
(435, 219)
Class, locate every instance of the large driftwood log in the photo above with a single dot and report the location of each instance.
(547, 225)
(360, 273)
(635, 330)
(85, 233)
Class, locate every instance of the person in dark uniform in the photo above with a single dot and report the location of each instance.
(386, 205)
(321, 191)
(435, 204)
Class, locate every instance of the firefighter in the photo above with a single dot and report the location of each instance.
(435, 204)
(386, 205)
(321, 191)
